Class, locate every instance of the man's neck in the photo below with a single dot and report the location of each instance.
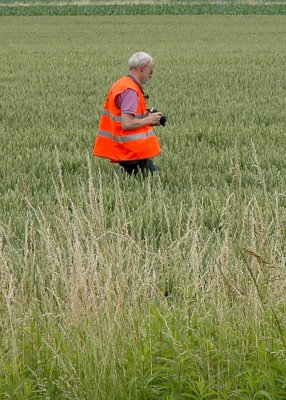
(136, 80)
(135, 77)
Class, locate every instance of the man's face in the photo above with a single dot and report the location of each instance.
(146, 73)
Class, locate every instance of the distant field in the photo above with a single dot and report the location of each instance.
(199, 7)
(122, 2)
(165, 288)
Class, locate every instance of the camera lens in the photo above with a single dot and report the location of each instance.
(163, 120)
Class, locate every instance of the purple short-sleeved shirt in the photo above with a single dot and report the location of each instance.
(127, 102)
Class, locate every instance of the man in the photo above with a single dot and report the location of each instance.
(125, 134)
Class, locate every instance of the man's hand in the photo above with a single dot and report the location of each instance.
(155, 118)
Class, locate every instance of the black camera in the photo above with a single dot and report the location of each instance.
(163, 118)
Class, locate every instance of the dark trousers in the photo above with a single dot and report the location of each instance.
(135, 166)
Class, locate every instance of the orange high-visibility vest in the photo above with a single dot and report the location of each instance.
(118, 144)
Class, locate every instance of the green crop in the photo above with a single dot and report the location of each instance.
(170, 287)
(196, 8)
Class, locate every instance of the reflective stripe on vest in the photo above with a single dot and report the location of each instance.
(127, 138)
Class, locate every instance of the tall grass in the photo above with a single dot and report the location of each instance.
(164, 288)
(98, 310)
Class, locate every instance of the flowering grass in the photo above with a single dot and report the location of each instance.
(165, 288)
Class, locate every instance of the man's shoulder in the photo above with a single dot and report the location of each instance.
(125, 82)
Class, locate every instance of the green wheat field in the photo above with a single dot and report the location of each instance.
(166, 288)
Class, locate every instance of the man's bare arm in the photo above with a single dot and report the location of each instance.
(128, 121)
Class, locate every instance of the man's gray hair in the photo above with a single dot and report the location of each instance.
(139, 60)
